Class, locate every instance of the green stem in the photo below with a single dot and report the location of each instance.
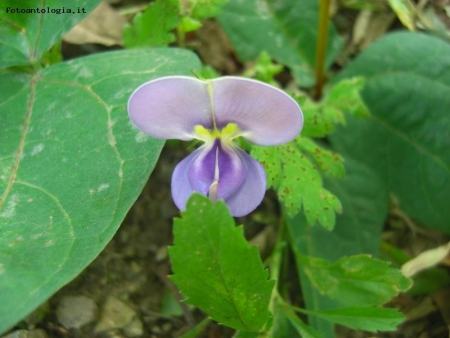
(321, 50)
(181, 37)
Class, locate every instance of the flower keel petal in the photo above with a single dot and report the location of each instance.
(251, 192)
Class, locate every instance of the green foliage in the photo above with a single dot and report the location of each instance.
(152, 27)
(406, 139)
(322, 117)
(264, 70)
(357, 286)
(298, 181)
(295, 169)
(71, 164)
(346, 96)
(362, 318)
(287, 324)
(285, 29)
(203, 9)
(358, 229)
(217, 269)
(25, 37)
(358, 280)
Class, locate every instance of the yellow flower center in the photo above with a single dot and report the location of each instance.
(226, 134)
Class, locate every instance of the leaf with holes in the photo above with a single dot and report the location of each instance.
(71, 166)
(221, 274)
(293, 171)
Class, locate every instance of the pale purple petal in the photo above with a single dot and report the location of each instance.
(266, 115)
(170, 107)
(181, 186)
(231, 170)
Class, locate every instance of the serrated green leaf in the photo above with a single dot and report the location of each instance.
(406, 139)
(370, 319)
(264, 70)
(298, 182)
(321, 118)
(152, 27)
(286, 29)
(204, 9)
(217, 269)
(318, 122)
(328, 162)
(25, 37)
(71, 166)
(346, 96)
(358, 280)
(189, 24)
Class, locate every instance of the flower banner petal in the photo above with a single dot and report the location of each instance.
(170, 107)
(265, 115)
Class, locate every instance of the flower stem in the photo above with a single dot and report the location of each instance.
(322, 39)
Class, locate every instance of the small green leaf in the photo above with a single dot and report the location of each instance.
(204, 9)
(264, 70)
(362, 318)
(217, 269)
(318, 122)
(189, 24)
(358, 280)
(298, 181)
(321, 118)
(346, 96)
(152, 28)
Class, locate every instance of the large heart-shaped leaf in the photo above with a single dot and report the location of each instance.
(71, 166)
(28, 28)
(407, 139)
(285, 29)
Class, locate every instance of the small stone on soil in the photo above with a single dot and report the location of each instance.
(118, 315)
(38, 333)
(73, 312)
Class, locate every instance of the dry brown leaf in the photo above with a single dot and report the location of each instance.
(370, 26)
(103, 26)
(426, 260)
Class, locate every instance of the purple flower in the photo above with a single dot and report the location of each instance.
(216, 112)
